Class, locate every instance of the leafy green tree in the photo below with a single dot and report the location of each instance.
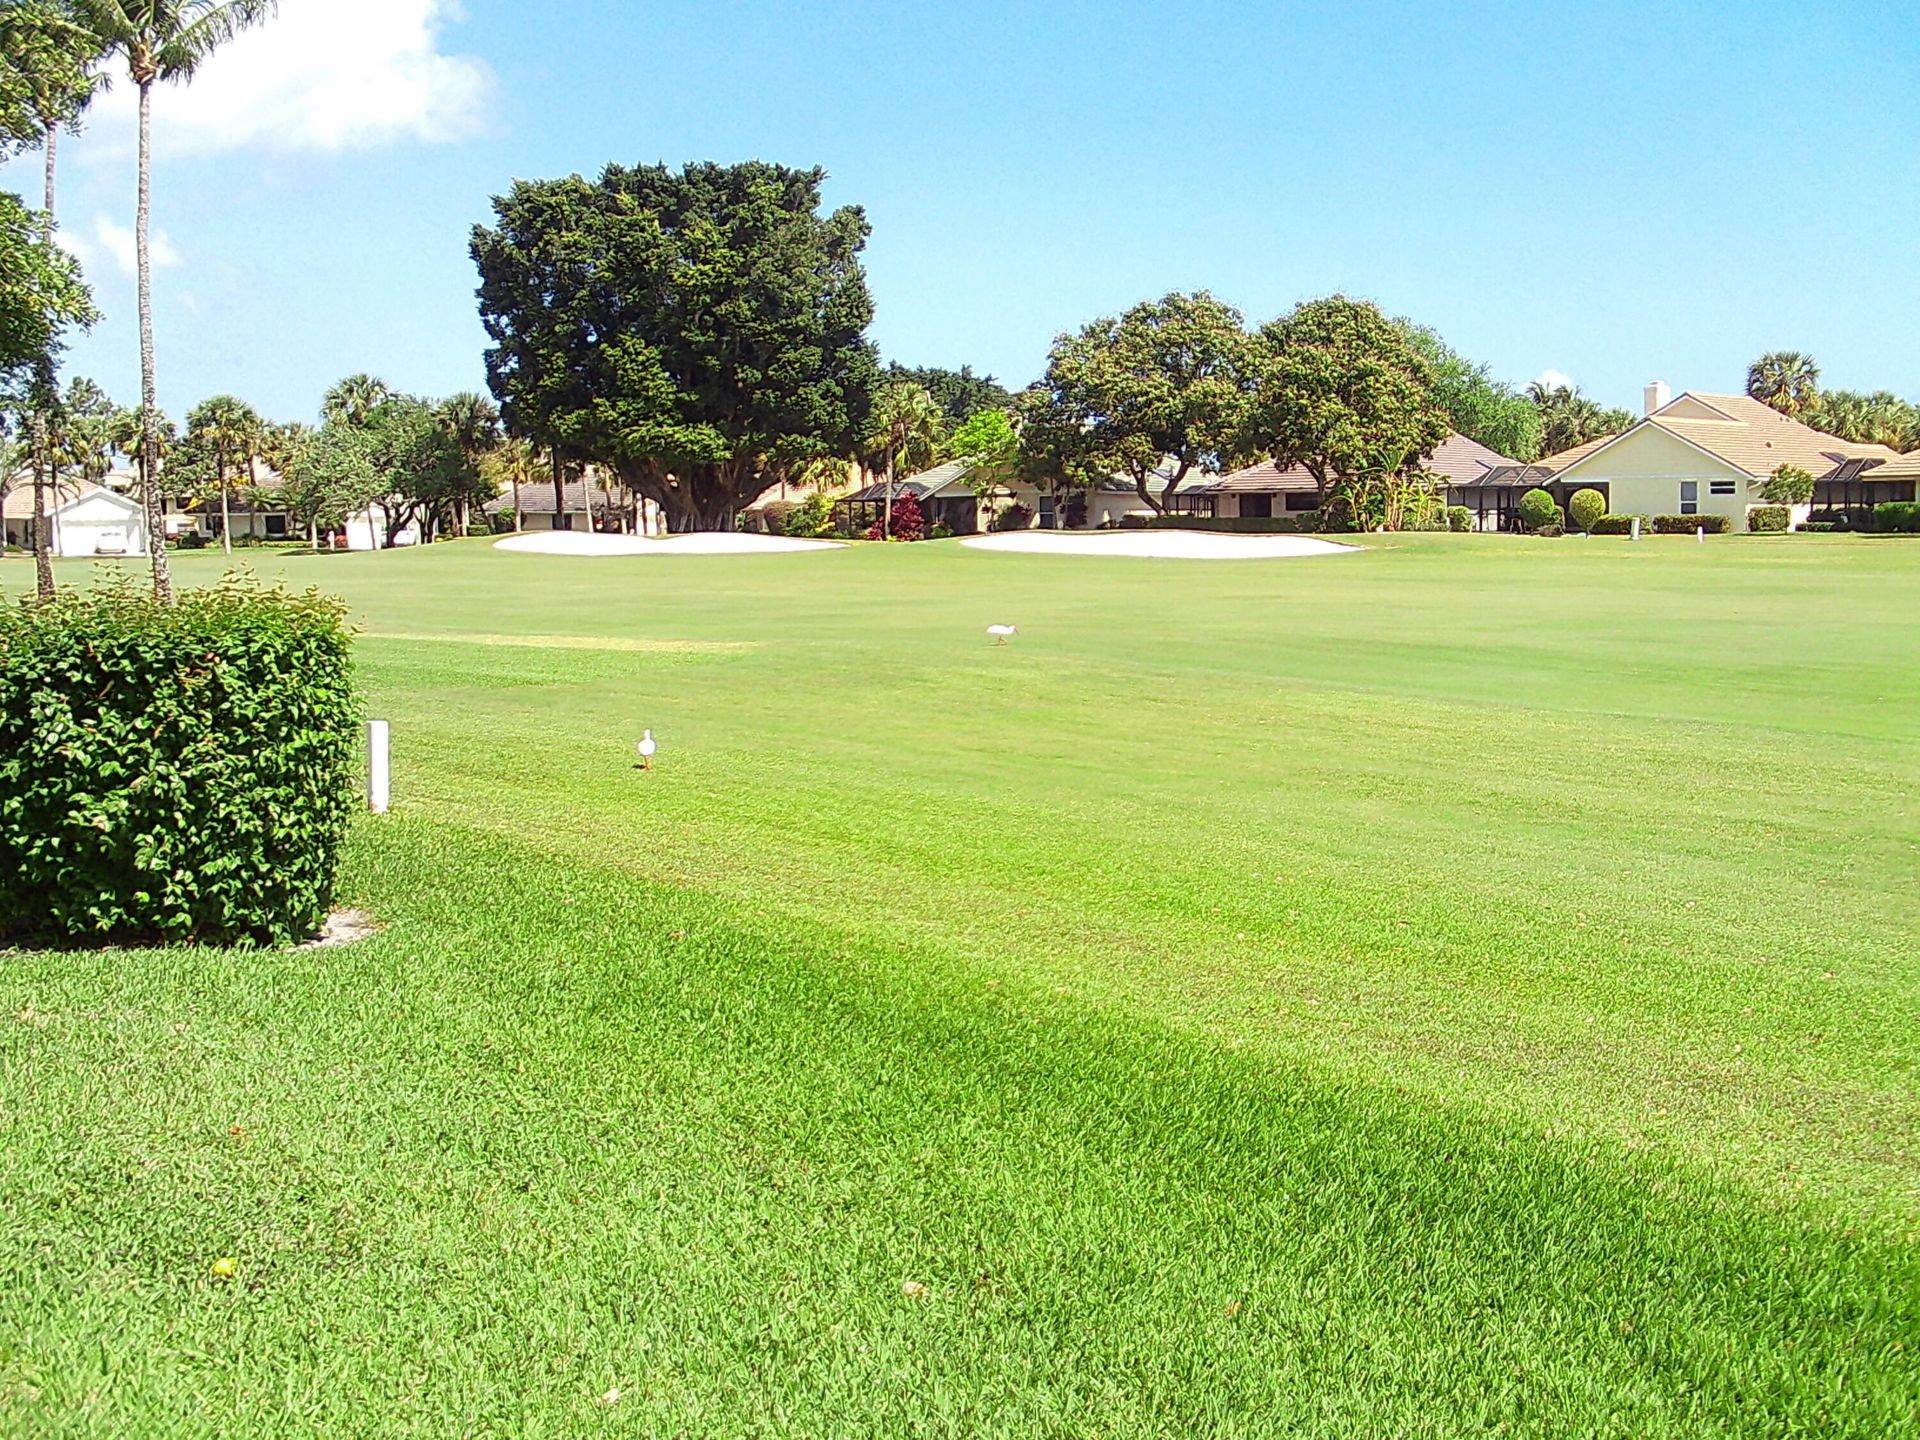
(1569, 418)
(1881, 418)
(421, 469)
(1786, 380)
(701, 333)
(41, 298)
(1344, 393)
(989, 443)
(159, 40)
(1478, 406)
(1153, 394)
(904, 429)
(1787, 485)
(330, 475)
(229, 432)
(959, 393)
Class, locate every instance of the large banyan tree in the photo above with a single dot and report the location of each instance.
(700, 332)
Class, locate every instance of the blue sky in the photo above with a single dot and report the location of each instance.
(1613, 192)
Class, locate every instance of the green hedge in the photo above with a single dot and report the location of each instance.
(1687, 524)
(1459, 519)
(1618, 525)
(1823, 527)
(1897, 517)
(1768, 519)
(172, 773)
(1298, 522)
(1584, 507)
(1538, 509)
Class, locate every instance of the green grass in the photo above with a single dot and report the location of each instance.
(1463, 988)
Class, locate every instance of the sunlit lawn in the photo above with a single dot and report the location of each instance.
(1467, 987)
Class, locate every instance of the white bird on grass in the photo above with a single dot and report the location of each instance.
(646, 747)
(1001, 632)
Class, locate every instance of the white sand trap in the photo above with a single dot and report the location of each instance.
(702, 542)
(1158, 544)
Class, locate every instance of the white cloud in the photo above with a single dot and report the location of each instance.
(109, 242)
(1554, 380)
(322, 75)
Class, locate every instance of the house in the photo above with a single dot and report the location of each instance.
(613, 508)
(85, 519)
(1709, 454)
(1459, 465)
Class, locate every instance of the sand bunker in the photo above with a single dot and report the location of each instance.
(1158, 544)
(704, 542)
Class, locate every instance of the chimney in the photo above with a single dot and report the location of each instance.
(1657, 395)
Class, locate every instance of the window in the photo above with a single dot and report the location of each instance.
(1689, 497)
(1256, 507)
(1721, 487)
(277, 526)
(1302, 500)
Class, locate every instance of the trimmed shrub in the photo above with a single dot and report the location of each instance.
(1014, 517)
(811, 519)
(1617, 524)
(942, 532)
(1537, 510)
(1824, 527)
(1298, 522)
(173, 772)
(1768, 519)
(1584, 507)
(1459, 519)
(1687, 524)
(1897, 517)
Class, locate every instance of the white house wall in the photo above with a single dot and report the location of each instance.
(1644, 470)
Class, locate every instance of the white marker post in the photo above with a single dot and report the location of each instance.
(1636, 527)
(1701, 534)
(378, 770)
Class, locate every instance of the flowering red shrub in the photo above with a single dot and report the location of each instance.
(908, 522)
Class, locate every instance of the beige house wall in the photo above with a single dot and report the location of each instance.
(1644, 470)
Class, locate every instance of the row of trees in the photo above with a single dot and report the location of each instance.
(701, 333)
(1789, 381)
(58, 55)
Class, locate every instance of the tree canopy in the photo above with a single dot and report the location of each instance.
(1787, 380)
(1478, 406)
(1345, 394)
(959, 393)
(700, 332)
(1153, 394)
(41, 294)
(1569, 418)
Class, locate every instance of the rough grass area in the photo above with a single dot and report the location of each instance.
(1469, 992)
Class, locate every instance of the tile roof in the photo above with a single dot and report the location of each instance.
(1456, 461)
(1906, 467)
(19, 502)
(537, 499)
(1748, 435)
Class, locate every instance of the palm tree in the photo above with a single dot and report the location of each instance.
(354, 399)
(906, 428)
(474, 423)
(53, 56)
(159, 40)
(1786, 380)
(232, 430)
(517, 462)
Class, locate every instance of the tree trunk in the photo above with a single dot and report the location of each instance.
(149, 395)
(559, 490)
(519, 521)
(226, 517)
(886, 508)
(40, 433)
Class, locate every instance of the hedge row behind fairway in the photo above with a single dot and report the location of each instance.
(172, 772)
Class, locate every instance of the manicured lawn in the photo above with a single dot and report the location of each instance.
(1469, 987)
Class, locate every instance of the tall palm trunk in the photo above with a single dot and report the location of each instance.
(560, 517)
(226, 516)
(519, 521)
(149, 393)
(42, 435)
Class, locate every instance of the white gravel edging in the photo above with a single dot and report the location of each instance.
(1158, 544)
(704, 542)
